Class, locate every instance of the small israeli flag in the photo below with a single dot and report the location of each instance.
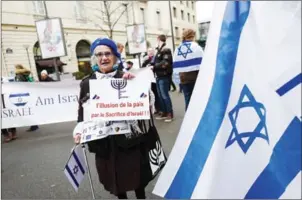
(75, 168)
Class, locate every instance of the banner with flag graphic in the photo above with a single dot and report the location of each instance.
(75, 168)
(239, 139)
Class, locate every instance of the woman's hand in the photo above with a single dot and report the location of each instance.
(128, 76)
(77, 138)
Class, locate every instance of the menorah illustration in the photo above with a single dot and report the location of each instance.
(119, 84)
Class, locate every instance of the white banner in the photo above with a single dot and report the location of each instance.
(25, 104)
(124, 99)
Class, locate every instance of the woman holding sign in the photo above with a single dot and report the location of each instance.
(128, 161)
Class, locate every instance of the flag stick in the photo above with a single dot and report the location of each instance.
(89, 175)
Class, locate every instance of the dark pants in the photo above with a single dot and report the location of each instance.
(34, 127)
(155, 92)
(163, 87)
(139, 193)
(180, 88)
(6, 131)
(187, 90)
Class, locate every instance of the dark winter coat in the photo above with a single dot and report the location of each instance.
(48, 79)
(122, 164)
(163, 63)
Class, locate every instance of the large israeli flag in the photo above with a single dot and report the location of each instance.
(239, 139)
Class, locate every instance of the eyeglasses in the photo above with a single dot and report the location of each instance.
(101, 54)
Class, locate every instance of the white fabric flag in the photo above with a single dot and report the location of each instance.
(75, 168)
(187, 57)
(238, 139)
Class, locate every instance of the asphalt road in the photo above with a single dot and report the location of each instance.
(32, 165)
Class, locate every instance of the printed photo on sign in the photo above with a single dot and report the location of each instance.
(136, 38)
(51, 38)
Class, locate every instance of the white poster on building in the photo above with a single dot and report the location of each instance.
(26, 104)
(51, 38)
(136, 38)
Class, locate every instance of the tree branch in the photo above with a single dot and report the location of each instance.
(106, 32)
(119, 17)
(115, 9)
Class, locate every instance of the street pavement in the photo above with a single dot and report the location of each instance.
(32, 165)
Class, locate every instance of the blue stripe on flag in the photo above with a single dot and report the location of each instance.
(20, 104)
(189, 172)
(72, 176)
(19, 95)
(284, 165)
(290, 85)
(187, 63)
(78, 162)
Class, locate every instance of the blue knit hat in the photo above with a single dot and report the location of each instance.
(106, 42)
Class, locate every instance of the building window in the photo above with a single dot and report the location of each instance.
(193, 18)
(189, 17)
(181, 2)
(176, 32)
(182, 15)
(187, 3)
(192, 5)
(158, 19)
(79, 11)
(174, 12)
(39, 7)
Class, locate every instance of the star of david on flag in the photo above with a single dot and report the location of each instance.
(75, 168)
(184, 49)
(247, 100)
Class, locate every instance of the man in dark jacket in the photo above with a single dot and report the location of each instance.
(162, 67)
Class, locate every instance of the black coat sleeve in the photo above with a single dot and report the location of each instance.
(83, 97)
(146, 62)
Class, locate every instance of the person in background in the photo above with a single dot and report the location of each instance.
(146, 61)
(148, 58)
(45, 77)
(122, 64)
(120, 48)
(187, 60)
(23, 75)
(122, 163)
(162, 67)
(129, 66)
(10, 133)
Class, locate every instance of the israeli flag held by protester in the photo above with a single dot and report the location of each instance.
(239, 140)
(75, 168)
(187, 57)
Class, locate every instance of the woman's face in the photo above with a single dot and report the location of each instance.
(105, 58)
